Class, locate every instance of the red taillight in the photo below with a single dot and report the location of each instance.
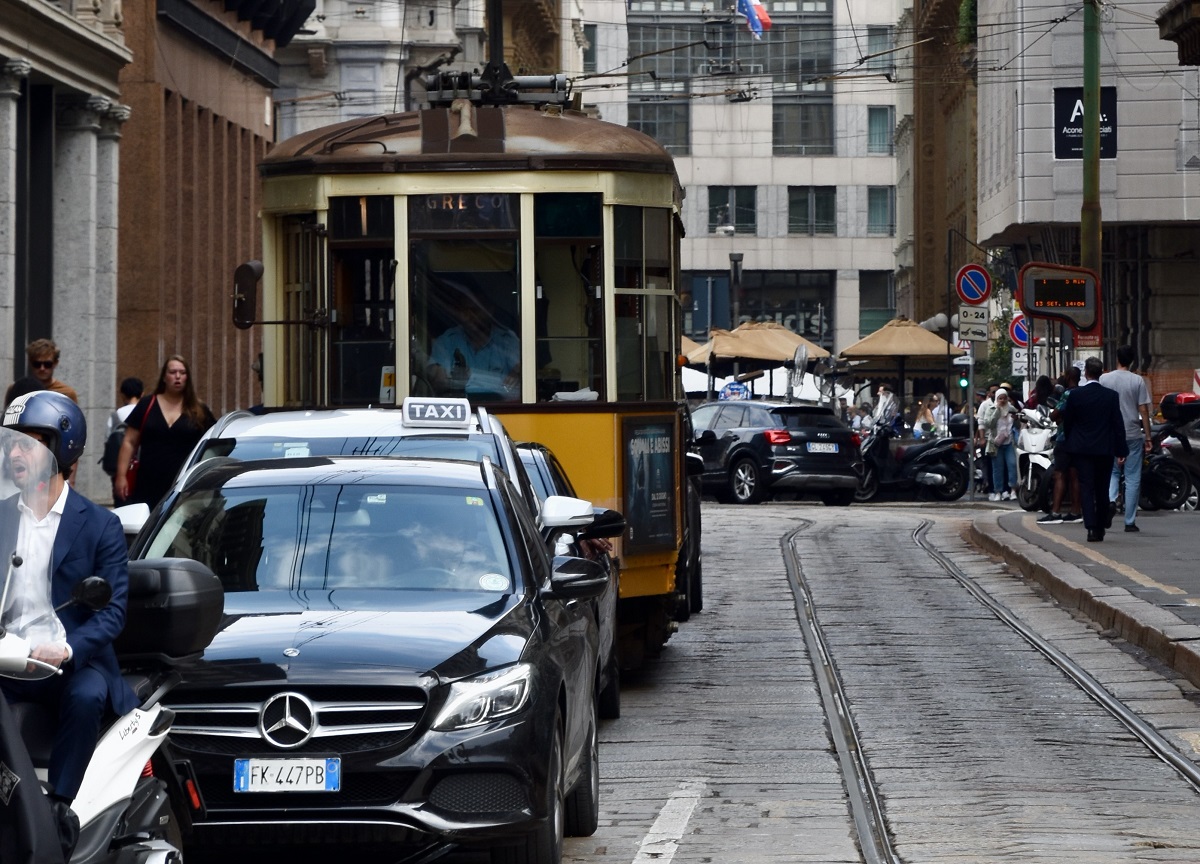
(147, 770)
(958, 445)
(779, 436)
(1185, 398)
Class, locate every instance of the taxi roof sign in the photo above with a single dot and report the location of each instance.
(444, 413)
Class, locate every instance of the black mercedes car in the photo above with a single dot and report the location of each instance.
(401, 663)
(754, 449)
(549, 478)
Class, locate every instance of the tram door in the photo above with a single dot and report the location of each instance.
(302, 347)
(569, 272)
(647, 308)
(363, 298)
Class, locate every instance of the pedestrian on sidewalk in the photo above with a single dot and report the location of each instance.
(1064, 470)
(1135, 413)
(1095, 436)
(998, 423)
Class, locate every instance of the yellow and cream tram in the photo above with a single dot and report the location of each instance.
(525, 256)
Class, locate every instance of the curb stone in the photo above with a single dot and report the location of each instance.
(1161, 634)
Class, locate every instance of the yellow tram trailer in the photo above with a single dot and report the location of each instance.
(579, 213)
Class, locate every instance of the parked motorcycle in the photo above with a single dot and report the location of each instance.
(938, 465)
(132, 807)
(1182, 410)
(1035, 458)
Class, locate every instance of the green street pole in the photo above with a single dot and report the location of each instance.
(1089, 217)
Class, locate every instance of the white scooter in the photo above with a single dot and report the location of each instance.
(1035, 459)
(131, 807)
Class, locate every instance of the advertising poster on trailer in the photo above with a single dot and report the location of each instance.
(648, 448)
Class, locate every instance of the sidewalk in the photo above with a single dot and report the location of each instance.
(1145, 587)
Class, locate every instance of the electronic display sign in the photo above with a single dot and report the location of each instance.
(1058, 293)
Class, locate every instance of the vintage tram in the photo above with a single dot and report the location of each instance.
(524, 255)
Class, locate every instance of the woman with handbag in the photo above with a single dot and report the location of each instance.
(159, 434)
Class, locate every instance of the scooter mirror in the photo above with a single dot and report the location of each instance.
(93, 592)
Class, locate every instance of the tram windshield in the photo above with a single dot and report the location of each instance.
(470, 309)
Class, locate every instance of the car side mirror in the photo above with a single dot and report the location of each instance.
(577, 578)
(608, 523)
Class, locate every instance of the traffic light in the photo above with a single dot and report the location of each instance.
(963, 381)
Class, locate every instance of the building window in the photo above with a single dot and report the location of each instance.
(812, 210)
(736, 205)
(880, 122)
(876, 300)
(589, 49)
(803, 128)
(881, 210)
(668, 123)
(879, 43)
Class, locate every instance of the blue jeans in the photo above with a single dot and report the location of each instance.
(1133, 478)
(1004, 457)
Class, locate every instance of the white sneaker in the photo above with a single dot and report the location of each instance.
(994, 496)
(1010, 496)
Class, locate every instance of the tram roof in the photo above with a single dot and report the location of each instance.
(465, 137)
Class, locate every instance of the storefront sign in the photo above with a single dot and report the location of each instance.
(1068, 122)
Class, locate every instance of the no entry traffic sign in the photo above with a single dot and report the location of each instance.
(973, 284)
(1018, 331)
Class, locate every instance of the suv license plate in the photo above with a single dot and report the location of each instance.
(821, 447)
(287, 775)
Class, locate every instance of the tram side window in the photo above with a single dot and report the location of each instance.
(362, 254)
(570, 307)
(464, 296)
(646, 305)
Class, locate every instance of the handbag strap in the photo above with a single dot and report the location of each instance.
(149, 407)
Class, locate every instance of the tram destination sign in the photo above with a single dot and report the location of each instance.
(462, 211)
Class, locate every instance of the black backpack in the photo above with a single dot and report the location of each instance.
(112, 449)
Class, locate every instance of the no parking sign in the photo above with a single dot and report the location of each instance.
(1018, 331)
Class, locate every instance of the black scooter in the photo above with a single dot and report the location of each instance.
(938, 465)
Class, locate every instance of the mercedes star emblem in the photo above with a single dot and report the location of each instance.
(287, 720)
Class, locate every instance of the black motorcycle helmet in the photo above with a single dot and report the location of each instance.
(54, 416)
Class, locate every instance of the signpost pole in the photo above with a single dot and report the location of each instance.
(1089, 216)
(970, 404)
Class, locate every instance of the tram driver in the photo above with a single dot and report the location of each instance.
(478, 357)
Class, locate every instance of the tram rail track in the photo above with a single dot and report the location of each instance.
(865, 801)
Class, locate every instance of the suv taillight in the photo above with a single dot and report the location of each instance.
(778, 436)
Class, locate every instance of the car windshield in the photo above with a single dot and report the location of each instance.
(328, 537)
(247, 448)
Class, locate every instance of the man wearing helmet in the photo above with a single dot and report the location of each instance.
(61, 533)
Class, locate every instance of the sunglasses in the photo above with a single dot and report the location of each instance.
(25, 445)
(42, 364)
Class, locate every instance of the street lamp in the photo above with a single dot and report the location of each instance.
(735, 286)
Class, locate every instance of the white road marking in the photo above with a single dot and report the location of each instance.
(660, 843)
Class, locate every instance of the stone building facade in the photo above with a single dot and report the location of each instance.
(61, 120)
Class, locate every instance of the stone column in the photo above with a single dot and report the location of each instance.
(107, 328)
(12, 72)
(75, 308)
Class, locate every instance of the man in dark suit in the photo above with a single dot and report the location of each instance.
(56, 531)
(1095, 435)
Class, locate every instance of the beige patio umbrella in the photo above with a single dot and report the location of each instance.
(897, 343)
(687, 346)
(762, 344)
(754, 340)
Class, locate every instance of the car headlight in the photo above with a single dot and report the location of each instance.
(475, 701)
